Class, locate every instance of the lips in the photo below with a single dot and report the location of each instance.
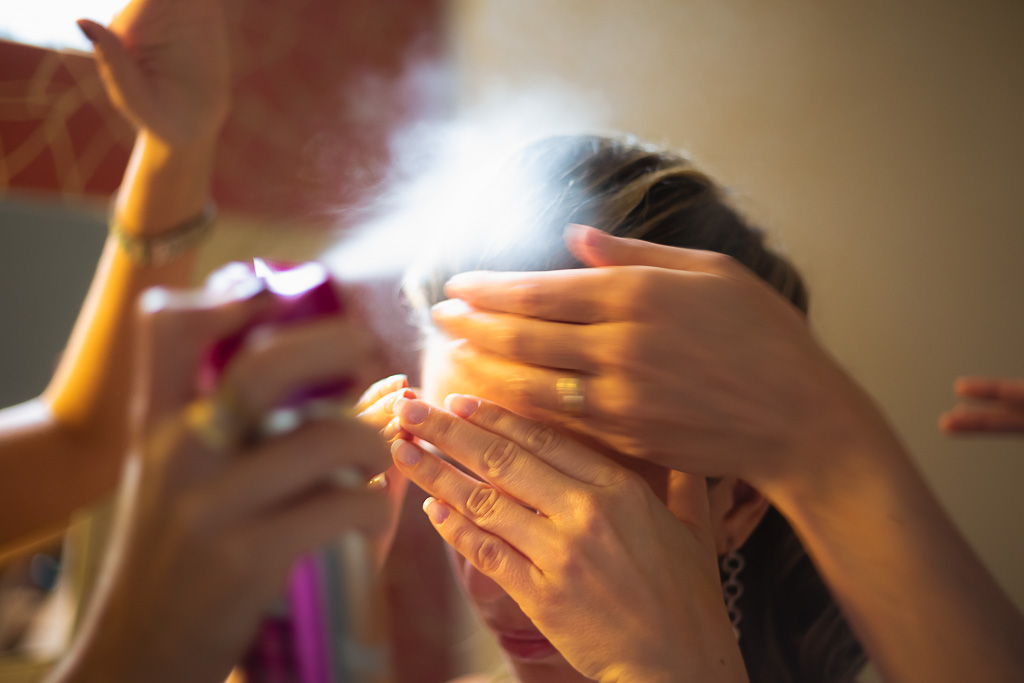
(526, 645)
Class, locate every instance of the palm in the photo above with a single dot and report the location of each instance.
(172, 77)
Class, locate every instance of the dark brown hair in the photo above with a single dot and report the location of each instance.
(792, 628)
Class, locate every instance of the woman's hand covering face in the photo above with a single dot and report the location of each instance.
(685, 358)
(622, 588)
(205, 537)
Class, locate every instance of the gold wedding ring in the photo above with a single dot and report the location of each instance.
(570, 395)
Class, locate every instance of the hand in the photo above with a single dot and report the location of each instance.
(685, 358)
(621, 587)
(205, 537)
(165, 66)
(991, 405)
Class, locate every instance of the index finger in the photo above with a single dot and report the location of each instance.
(584, 295)
(489, 456)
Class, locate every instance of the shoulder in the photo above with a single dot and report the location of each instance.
(472, 678)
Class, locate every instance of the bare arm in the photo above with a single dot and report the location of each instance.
(712, 372)
(64, 449)
(922, 604)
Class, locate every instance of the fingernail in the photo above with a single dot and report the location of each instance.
(411, 410)
(378, 483)
(436, 511)
(592, 237)
(405, 453)
(462, 281)
(449, 308)
(389, 405)
(392, 429)
(85, 26)
(461, 405)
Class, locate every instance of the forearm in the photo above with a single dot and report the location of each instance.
(64, 450)
(920, 601)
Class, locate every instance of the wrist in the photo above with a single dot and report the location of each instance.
(164, 185)
(841, 438)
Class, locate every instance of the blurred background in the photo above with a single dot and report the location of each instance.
(879, 142)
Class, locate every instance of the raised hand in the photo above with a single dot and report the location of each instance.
(676, 356)
(623, 588)
(988, 405)
(165, 66)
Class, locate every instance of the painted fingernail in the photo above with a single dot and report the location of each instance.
(377, 483)
(392, 429)
(461, 405)
(449, 308)
(436, 510)
(405, 453)
(411, 410)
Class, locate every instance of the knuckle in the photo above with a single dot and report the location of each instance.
(482, 503)
(592, 521)
(489, 555)
(629, 486)
(498, 458)
(540, 438)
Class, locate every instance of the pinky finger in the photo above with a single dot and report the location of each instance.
(491, 556)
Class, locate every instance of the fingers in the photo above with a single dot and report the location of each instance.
(492, 556)
(965, 419)
(571, 296)
(275, 364)
(480, 503)
(287, 467)
(995, 388)
(540, 440)
(597, 248)
(175, 329)
(533, 390)
(380, 389)
(517, 338)
(493, 458)
(117, 68)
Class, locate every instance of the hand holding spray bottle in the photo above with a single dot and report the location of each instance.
(318, 634)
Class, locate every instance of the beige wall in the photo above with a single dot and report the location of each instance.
(882, 142)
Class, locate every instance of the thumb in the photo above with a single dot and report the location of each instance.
(690, 503)
(597, 248)
(121, 76)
